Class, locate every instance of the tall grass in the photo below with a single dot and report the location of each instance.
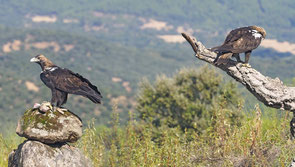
(261, 140)
(7, 145)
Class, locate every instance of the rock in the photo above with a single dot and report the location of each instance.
(35, 153)
(50, 126)
(48, 130)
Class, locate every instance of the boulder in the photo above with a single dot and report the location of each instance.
(49, 125)
(35, 153)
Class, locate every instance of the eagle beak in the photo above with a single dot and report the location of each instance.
(34, 60)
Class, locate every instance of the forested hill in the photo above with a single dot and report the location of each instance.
(115, 43)
(213, 16)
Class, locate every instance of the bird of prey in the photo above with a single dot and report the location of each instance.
(62, 82)
(240, 40)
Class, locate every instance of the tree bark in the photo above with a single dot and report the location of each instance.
(272, 92)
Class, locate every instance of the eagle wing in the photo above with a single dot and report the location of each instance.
(239, 41)
(234, 35)
(67, 81)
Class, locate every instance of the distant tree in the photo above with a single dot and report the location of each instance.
(190, 100)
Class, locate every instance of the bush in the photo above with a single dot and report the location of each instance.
(189, 100)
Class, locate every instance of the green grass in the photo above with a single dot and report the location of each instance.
(261, 140)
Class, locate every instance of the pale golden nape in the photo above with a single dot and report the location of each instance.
(260, 29)
(44, 61)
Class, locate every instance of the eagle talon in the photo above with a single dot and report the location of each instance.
(61, 110)
(246, 65)
(50, 107)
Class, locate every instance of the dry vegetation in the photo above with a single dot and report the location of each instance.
(261, 140)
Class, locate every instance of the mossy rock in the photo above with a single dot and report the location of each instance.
(53, 126)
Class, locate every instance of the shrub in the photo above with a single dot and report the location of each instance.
(189, 100)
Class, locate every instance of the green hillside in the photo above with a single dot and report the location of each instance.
(119, 17)
(116, 43)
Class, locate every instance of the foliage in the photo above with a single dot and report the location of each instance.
(261, 140)
(7, 145)
(190, 100)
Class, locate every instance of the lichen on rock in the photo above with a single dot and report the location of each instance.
(53, 126)
(48, 129)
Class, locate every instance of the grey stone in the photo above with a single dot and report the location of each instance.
(35, 153)
(50, 126)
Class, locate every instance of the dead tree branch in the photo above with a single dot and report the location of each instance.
(272, 92)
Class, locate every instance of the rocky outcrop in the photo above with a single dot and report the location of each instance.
(35, 153)
(52, 126)
(48, 131)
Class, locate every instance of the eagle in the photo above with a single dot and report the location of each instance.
(63, 81)
(240, 40)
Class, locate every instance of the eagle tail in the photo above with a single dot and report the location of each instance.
(94, 99)
(215, 49)
(221, 49)
(223, 59)
(92, 93)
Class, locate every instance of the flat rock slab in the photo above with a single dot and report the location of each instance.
(34, 153)
(50, 127)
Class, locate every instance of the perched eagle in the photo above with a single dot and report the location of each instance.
(62, 82)
(240, 40)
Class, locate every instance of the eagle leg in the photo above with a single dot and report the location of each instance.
(54, 97)
(61, 98)
(247, 56)
(237, 56)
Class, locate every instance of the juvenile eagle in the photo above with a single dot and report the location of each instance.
(240, 40)
(62, 82)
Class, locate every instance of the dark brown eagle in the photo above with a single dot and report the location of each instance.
(240, 40)
(62, 82)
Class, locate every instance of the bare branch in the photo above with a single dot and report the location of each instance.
(272, 92)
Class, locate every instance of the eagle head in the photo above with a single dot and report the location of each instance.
(260, 30)
(42, 61)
